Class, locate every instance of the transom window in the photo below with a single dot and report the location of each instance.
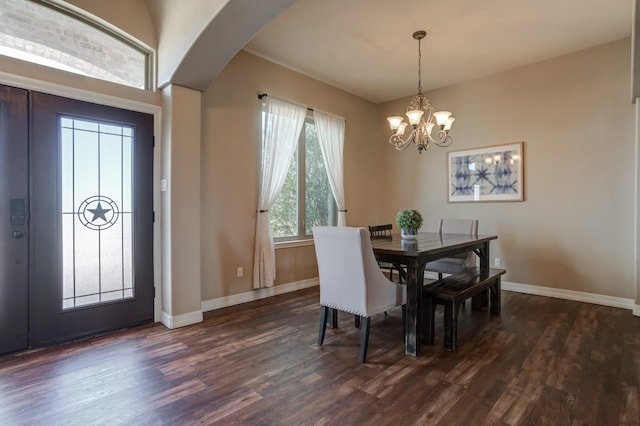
(306, 199)
(49, 34)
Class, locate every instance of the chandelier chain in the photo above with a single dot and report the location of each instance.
(419, 66)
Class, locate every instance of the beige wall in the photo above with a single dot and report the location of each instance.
(230, 142)
(180, 217)
(575, 229)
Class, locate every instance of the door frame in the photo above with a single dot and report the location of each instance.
(14, 192)
(636, 293)
(123, 103)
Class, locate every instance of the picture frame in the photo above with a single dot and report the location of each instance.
(491, 173)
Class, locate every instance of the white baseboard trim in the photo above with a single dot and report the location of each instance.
(181, 320)
(236, 299)
(578, 296)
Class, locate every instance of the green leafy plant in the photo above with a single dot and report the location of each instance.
(409, 219)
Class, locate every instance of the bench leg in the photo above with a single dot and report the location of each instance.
(356, 321)
(480, 300)
(428, 320)
(476, 302)
(496, 293)
(451, 310)
(454, 327)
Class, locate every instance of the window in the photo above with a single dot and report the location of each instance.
(306, 199)
(50, 34)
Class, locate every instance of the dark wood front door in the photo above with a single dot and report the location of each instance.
(14, 236)
(76, 206)
(91, 219)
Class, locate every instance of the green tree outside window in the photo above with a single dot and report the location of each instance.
(306, 199)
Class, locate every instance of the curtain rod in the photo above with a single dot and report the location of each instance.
(264, 95)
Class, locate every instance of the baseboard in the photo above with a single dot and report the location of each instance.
(181, 320)
(577, 296)
(236, 299)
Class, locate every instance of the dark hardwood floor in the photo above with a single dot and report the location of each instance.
(544, 361)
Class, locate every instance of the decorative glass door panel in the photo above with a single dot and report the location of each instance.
(91, 219)
(97, 170)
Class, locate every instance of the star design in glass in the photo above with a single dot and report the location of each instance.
(99, 213)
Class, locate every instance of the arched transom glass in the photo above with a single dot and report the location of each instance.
(47, 33)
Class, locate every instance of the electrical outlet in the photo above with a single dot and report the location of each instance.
(239, 272)
(497, 262)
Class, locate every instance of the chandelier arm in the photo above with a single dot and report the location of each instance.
(441, 138)
(428, 111)
(399, 143)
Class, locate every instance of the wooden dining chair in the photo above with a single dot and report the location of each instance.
(351, 281)
(456, 263)
(384, 231)
(380, 231)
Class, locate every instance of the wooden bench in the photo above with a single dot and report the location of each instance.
(452, 291)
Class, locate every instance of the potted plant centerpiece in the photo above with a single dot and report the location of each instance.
(409, 221)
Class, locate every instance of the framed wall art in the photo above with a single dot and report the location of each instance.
(492, 173)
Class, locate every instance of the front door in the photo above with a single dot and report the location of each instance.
(14, 236)
(91, 219)
(88, 221)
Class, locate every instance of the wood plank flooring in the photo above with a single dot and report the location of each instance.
(544, 361)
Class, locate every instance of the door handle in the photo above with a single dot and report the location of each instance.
(17, 234)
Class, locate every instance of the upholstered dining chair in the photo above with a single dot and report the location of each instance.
(452, 265)
(351, 281)
(384, 231)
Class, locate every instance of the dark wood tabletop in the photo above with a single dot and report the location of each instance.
(414, 255)
(431, 244)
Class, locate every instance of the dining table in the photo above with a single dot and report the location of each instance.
(412, 255)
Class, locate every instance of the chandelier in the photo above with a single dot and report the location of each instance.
(426, 125)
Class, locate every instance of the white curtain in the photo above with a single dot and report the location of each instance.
(331, 136)
(282, 126)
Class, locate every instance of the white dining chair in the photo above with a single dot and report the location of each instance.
(456, 263)
(351, 281)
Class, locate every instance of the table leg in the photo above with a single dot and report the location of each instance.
(428, 319)
(484, 256)
(496, 291)
(415, 276)
(482, 299)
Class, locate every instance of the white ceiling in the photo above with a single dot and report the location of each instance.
(365, 47)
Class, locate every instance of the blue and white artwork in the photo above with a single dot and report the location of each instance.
(486, 174)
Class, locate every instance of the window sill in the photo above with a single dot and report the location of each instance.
(293, 243)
